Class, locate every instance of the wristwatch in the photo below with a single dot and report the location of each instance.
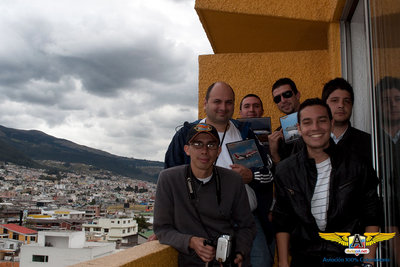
(367, 265)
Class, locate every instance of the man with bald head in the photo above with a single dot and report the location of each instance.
(219, 106)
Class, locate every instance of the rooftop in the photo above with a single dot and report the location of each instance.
(18, 229)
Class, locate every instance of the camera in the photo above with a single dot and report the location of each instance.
(223, 249)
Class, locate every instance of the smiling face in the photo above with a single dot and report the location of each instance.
(220, 105)
(202, 159)
(287, 105)
(340, 103)
(315, 127)
(251, 108)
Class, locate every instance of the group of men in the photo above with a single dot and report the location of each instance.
(204, 201)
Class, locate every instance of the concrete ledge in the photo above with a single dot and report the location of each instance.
(148, 254)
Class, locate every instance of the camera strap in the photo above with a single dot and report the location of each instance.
(222, 141)
(193, 196)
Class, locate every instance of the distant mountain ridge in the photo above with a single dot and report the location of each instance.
(25, 147)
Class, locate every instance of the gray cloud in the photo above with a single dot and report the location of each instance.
(115, 76)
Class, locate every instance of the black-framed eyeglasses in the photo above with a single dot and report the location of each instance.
(200, 145)
(287, 94)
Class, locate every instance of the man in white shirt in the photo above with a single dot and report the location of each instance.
(317, 190)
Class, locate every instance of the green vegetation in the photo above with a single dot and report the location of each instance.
(142, 223)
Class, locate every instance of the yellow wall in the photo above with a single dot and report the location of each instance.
(255, 73)
(256, 43)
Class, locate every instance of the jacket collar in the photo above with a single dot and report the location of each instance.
(331, 150)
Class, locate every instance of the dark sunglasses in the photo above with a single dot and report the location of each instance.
(287, 94)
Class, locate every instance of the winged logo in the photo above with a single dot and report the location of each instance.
(343, 238)
(373, 238)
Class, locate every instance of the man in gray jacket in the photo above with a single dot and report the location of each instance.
(199, 202)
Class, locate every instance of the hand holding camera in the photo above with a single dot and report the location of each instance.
(205, 251)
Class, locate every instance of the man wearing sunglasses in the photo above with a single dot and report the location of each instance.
(197, 203)
(287, 99)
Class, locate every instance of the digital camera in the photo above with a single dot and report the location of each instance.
(223, 249)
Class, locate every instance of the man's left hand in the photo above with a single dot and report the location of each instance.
(238, 260)
(246, 173)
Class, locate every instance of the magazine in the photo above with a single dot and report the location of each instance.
(289, 127)
(245, 153)
(261, 128)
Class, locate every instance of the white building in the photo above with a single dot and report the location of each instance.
(9, 248)
(106, 229)
(62, 248)
(64, 214)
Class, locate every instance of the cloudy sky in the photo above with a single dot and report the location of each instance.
(113, 75)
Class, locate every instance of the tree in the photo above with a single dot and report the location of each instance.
(142, 223)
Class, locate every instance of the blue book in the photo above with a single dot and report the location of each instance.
(289, 127)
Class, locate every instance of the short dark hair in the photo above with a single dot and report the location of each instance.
(209, 89)
(251, 95)
(388, 82)
(313, 102)
(283, 81)
(333, 85)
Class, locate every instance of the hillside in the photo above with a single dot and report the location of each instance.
(25, 147)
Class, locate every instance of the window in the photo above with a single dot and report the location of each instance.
(106, 230)
(11, 246)
(356, 67)
(33, 238)
(40, 258)
(15, 236)
(123, 231)
(5, 231)
(373, 64)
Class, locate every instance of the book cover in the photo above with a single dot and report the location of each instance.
(245, 153)
(261, 127)
(289, 127)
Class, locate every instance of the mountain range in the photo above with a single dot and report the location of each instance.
(31, 148)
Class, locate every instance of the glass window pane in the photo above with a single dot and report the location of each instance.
(385, 54)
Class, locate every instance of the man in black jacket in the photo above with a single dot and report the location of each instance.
(339, 96)
(321, 189)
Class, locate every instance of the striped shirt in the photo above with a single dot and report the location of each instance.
(320, 199)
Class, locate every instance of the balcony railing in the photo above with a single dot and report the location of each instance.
(148, 254)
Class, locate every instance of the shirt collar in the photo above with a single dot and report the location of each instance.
(337, 139)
